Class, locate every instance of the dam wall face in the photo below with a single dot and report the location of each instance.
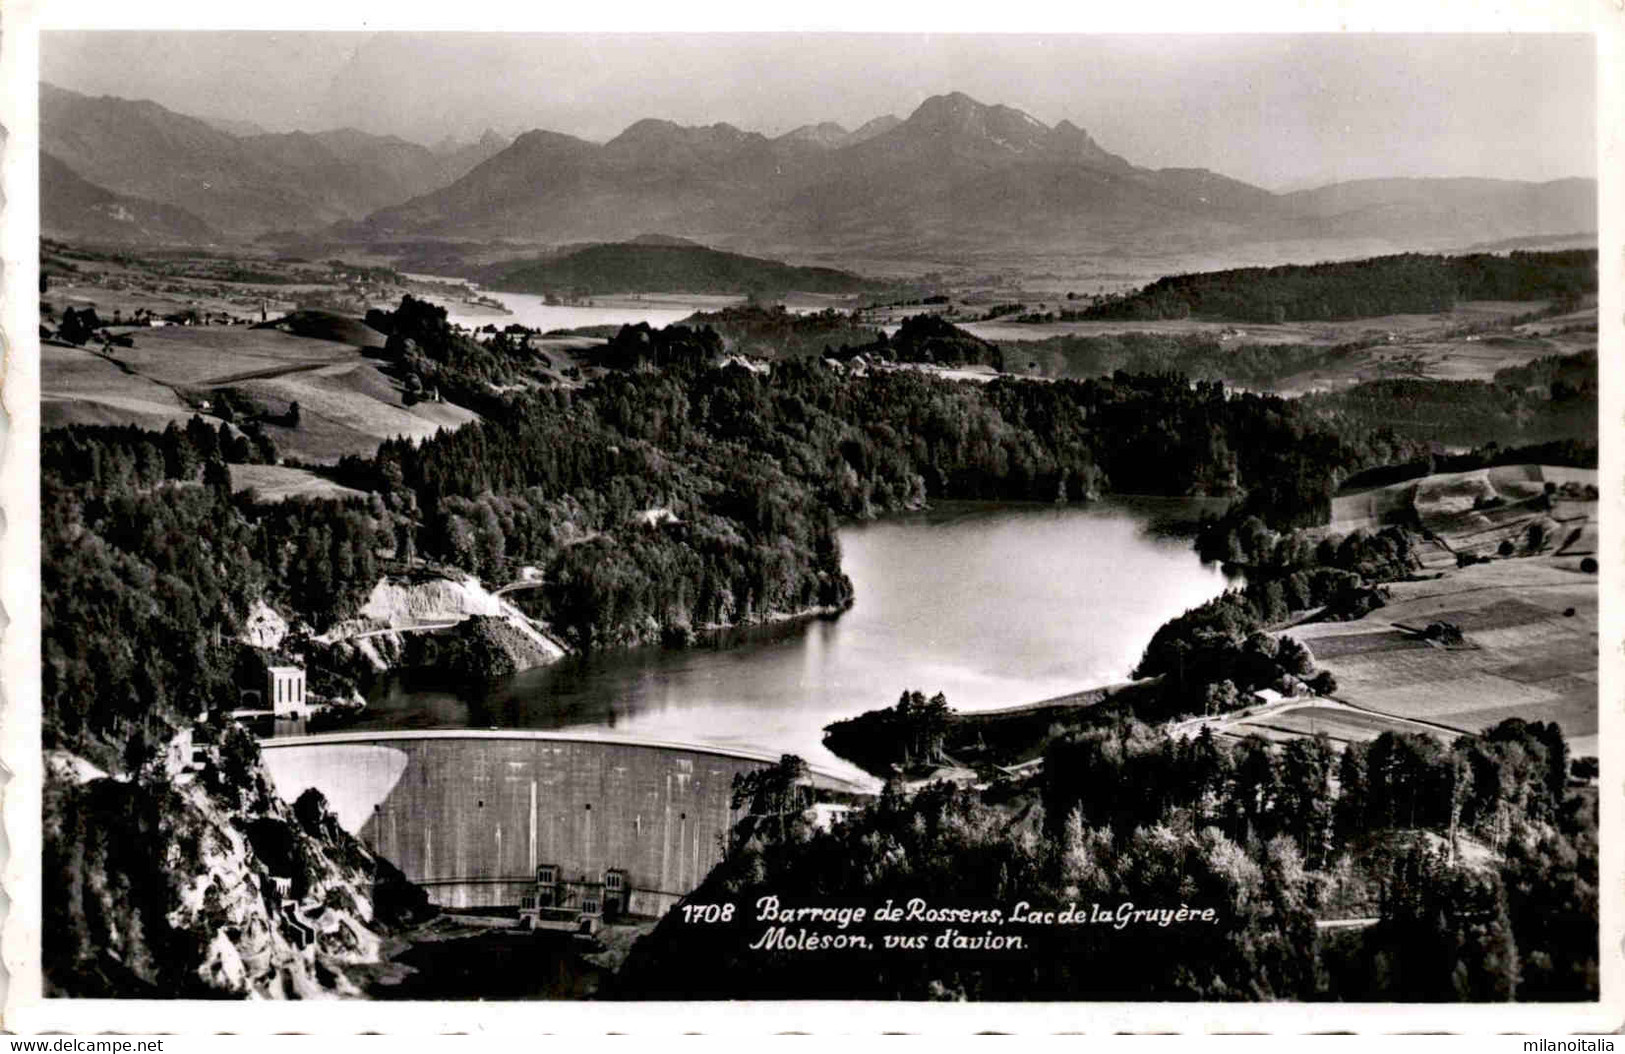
(471, 817)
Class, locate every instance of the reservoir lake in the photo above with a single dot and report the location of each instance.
(994, 605)
(534, 312)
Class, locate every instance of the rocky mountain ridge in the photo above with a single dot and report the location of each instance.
(192, 877)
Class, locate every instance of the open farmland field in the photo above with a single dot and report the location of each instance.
(1525, 655)
(1469, 344)
(112, 288)
(347, 404)
(1004, 331)
(244, 283)
(276, 482)
(1341, 723)
(1401, 328)
(1476, 511)
(79, 386)
(212, 356)
(347, 408)
(1295, 359)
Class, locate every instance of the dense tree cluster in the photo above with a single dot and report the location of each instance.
(1562, 377)
(1564, 275)
(929, 339)
(79, 325)
(640, 540)
(1409, 283)
(953, 850)
(148, 567)
(774, 333)
(423, 347)
(642, 347)
(1460, 413)
(1213, 656)
(907, 736)
(1575, 453)
(1199, 356)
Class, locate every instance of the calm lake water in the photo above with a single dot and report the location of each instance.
(994, 605)
(534, 311)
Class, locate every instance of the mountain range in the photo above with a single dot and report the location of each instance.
(237, 184)
(955, 175)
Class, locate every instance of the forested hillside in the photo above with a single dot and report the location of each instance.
(1470, 413)
(662, 501)
(159, 881)
(629, 268)
(148, 568)
(1385, 285)
(671, 495)
(1199, 356)
(775, 333)
(1476, 860)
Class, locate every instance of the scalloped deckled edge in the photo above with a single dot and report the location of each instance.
(20, 760)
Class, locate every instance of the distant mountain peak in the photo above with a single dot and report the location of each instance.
(538, 138)
(879, 126)
(957, 173)
(954, 100)
(646, 128)
(974, 125)
(958, 105)
(954, 106)
(657, 131)
(825, 133)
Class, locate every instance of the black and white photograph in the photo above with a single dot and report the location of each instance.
(624, 517)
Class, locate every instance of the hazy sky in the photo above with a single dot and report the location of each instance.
(1278, 111)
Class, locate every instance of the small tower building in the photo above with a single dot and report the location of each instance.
(285, 690)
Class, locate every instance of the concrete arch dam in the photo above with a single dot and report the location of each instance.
(471, 815)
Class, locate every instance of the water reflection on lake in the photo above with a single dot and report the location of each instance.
(995, 605)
